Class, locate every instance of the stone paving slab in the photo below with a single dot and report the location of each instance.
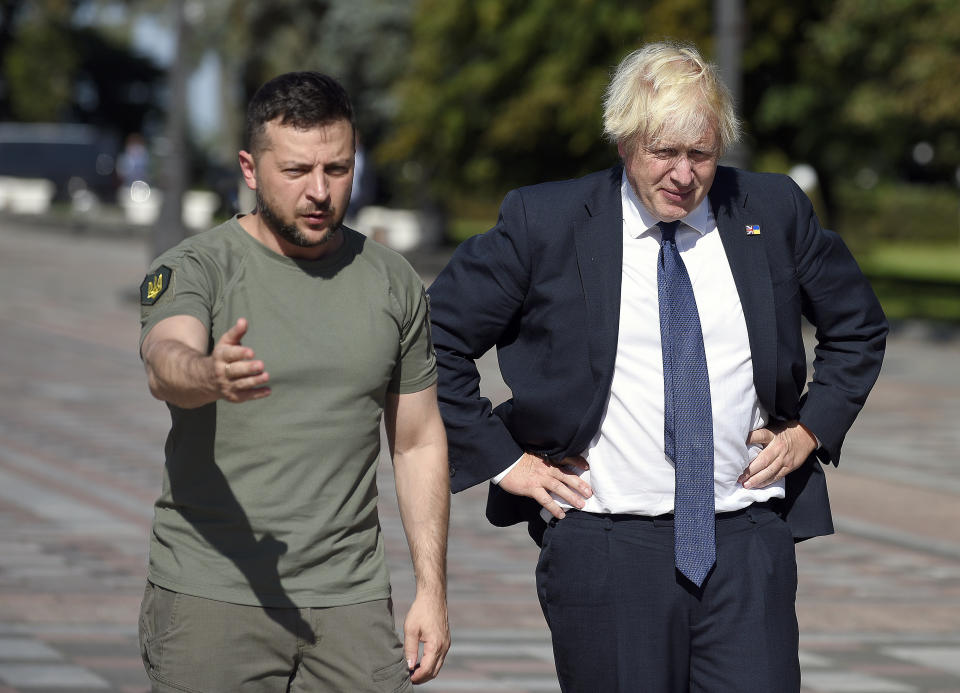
(80, 456)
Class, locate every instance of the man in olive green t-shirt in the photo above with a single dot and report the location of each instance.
(267, 567)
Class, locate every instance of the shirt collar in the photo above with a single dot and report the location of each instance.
(638, 220)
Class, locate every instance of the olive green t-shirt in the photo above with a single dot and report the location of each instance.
(274, 501)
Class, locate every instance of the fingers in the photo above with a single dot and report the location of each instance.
(785, 450)
(235, 333)
(435, 636)
(244, 381)
(239, 377)
(411, 648)
(429, 665)
(537, 478)
(548, 502)
(762, 470)
(229, 348)
(761, 436)
(238, 370)
(568, 487)
(245, 392)
(762, 473)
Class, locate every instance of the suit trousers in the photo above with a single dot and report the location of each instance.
(623, 619)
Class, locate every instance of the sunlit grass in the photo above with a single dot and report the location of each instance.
(918, 261)
(915, 280)
(461, 229)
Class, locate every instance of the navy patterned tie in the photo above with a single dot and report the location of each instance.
(687, 420)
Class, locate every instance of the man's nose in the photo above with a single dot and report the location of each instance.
(318, 189)
(683, 170)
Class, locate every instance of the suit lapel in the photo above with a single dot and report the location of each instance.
(751, 273)
(598, 236)
(599, 243)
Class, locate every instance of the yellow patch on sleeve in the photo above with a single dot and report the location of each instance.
(154, 285)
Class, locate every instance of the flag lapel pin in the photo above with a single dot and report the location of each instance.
(753, 229)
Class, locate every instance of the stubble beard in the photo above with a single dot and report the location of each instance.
(289, 232)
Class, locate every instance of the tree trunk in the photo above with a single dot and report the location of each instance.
(169, 229)
(728, 26)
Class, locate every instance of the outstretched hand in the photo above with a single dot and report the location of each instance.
(237, 375)
(536, 478)
(785, 448)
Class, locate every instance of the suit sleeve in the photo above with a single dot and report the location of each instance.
(851, 332)
(473, 303)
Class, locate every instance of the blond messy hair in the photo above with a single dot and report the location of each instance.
(667, 93)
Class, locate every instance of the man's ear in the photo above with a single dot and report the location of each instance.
(248, 168)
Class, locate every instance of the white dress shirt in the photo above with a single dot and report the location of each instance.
(629, 471)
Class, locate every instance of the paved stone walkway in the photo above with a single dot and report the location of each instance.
(80, 458)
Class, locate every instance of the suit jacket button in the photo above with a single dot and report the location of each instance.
(453, 471)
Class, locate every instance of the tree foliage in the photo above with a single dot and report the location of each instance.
(499, 93)
(54, 70)
(468, 98)
(41, 49)
(869, 79)
(897, 64)
(360, 42)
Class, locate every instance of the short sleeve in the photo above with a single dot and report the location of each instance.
(416, 367)
(178, 283)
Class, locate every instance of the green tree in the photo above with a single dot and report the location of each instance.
(39, 70)
(39, 59)
(500, 93)
(862, 83)
(360, 42)
(896, 64)
(55, 70)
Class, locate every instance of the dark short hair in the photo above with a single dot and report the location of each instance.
(299, 99)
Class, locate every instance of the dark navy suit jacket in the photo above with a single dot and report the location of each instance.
(543, 286)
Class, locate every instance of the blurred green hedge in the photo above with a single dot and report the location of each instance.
(897, 212)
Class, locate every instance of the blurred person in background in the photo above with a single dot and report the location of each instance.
(662, 440)
(364, 191)
(133, 164)
(279, 341)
